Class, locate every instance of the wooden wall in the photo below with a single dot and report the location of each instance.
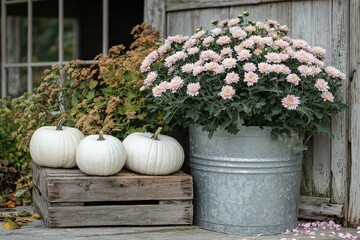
(331, 170)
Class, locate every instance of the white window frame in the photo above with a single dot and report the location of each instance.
(29, 64)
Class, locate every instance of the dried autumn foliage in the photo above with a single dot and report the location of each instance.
(102, 96)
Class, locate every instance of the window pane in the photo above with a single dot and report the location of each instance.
(37, 73)
(16, 81)
(120, 25)
(89, 18)
(71, 48)
(45, 31)
(16, 33)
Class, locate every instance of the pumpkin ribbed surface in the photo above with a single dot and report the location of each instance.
(95, 157)
(55, 148)
(153, 157)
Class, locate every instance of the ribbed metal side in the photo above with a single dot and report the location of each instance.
(245, 183)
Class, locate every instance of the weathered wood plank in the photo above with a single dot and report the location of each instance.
(155, 14)
(177, 25)
(340, 143)
(179, 5)
(319, 208)
(354, 198)
(123, 186)
(167, 213)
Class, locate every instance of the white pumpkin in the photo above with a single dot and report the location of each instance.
(101, 155)
(153, 154)
(55, 146)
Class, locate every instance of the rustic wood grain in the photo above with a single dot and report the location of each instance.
(354, 198)
(319, 209)
(340, 143)
(179, 5)
(123, 186)
(154, 14)
(166, 213)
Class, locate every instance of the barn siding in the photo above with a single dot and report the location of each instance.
(354, 198)
(325, 23)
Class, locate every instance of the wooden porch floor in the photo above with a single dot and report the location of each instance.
(37, 230)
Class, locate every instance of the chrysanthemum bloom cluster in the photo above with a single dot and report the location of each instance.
(243, 72)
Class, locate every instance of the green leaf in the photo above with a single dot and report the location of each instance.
(90, 95)
(239, 122)
(93, 84)
(323, 130)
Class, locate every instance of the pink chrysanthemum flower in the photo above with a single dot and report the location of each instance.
(193, 50)
(197, 70)
(187, 68)
(304, 56)
(250, 29)
(258, 51)
(149, 59)
(237, 32)
(327, 96)
(278, 68)
(218, 69)
(223, 40)
(248, 43)
(281, 43)
(318, 51)
(334, 72)
(305, 70)
(199, 34)
(244, 55)
(170, 60)
(190, 43)
(233, 22)
(216, 57)
(157, 92)
(207, 55)
(249, 67)
(229, 63)
(251, 78)
(319, 63)
(226, 51)
(162, 49)
(284, 56)
(193, 89)
(227, 92)
(267, 41)
(216, 31)
(209, 66)
(273, 57)
(175, 84)
(290, 51)
(264, 67)
(291, 102)
(299, 43)
(232, 77)
(163, 86)
(293, 78)
(322, 85)
(150, 78)
(207, 41)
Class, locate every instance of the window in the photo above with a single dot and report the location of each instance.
(39, 33)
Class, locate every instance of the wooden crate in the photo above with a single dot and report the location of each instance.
(70, 198)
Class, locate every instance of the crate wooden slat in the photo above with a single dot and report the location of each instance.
(70, 198)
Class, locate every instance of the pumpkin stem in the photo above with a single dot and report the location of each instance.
(59, 125)
(101, 136)
(156, 134)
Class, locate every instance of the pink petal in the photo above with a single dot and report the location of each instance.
(323, 234)
(312, 237)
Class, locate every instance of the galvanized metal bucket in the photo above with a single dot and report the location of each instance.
(246, 183)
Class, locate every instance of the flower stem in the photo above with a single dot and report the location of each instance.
(156, 134)
(59, 125)
(101, 136)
